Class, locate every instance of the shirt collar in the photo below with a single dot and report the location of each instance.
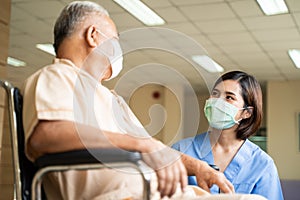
(203, 148)
(241, 157)
(64, 61)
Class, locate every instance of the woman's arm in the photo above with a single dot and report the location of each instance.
(269, 184)
(206, 176)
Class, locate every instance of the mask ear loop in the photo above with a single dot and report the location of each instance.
(248, 108)
(238, 121)
(245, 107)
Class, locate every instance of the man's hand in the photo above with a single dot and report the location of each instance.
(168, 166)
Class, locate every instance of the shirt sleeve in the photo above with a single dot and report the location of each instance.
(47, 95)
(269, 184)
(54, 94)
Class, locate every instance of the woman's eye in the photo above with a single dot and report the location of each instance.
(229, 98)
(214, 94)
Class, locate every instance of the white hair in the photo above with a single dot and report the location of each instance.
(72, 15)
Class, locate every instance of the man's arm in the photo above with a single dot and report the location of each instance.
(206, 176)
(59, 136)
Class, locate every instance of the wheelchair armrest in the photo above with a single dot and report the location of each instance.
(89, 159)
(88, 156)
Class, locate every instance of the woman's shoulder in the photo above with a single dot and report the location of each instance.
(183, 143)
(257, 153)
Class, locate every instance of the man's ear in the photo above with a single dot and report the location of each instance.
(91, 36)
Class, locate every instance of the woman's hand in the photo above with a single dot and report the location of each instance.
(207, 176)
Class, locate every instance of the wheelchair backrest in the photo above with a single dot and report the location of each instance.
(24, 169)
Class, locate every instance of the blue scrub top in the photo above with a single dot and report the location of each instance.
(251, 171)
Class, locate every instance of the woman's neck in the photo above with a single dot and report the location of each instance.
(224, 146)
(225, 138)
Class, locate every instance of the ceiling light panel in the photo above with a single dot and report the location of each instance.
(273, 7)
(207, 63)
(295, 56)
(142, 12)
(15, 62)
(48, 48)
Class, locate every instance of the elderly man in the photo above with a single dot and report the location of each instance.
(66, 108)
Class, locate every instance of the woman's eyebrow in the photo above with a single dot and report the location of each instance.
(230, 93)
(215, 90)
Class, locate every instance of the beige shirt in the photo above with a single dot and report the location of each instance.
(61, 91)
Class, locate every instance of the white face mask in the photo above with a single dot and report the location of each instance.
(112, 50)
(117, 66)
(221, 114)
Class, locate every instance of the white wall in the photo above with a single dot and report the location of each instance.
(181, 109)
(203, 125)
(6, 169)
(148, 109)
(173, 128)
(283, 102)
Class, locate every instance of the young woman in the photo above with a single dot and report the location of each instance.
(234, 113)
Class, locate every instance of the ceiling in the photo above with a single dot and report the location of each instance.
(235, 33)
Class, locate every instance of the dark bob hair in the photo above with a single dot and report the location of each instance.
(252, 96)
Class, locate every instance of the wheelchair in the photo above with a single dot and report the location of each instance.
(28, 176)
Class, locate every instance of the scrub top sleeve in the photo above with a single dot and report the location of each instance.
(269, 184)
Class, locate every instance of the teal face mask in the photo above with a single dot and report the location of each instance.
(220, 114)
